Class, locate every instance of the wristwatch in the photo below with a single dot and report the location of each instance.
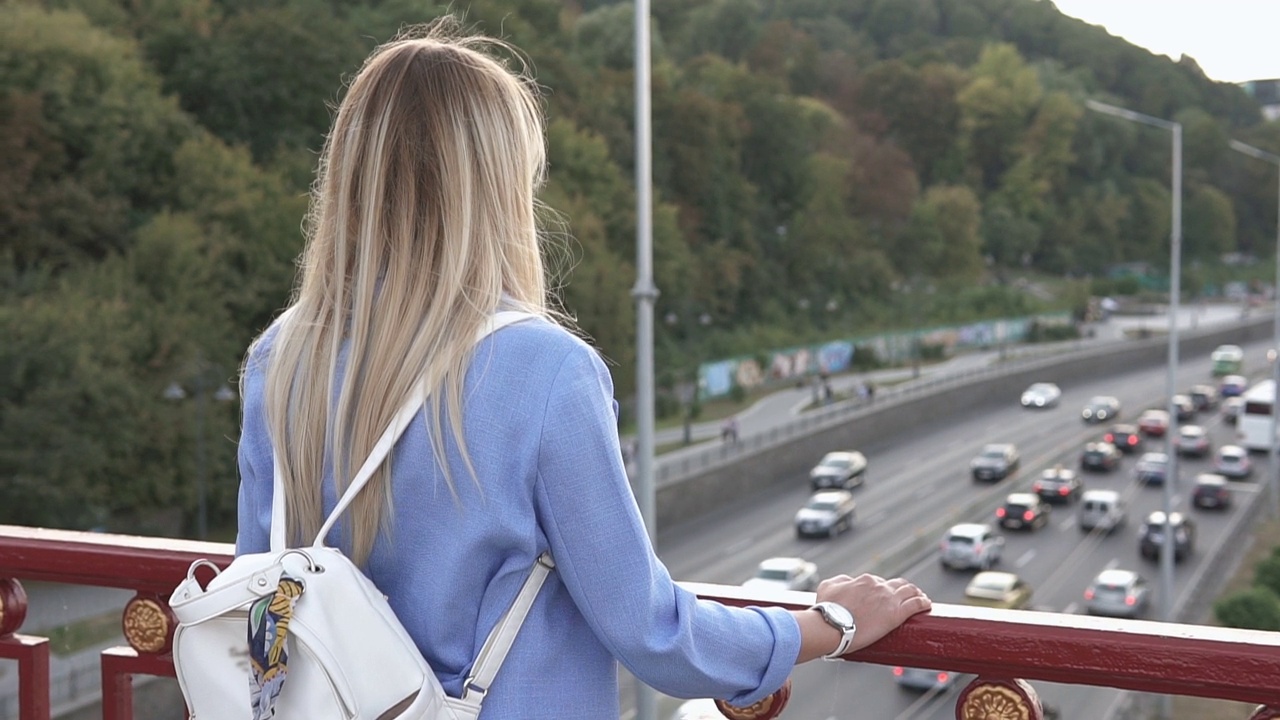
(841, 619)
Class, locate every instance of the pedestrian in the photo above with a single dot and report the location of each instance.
(423, 224)
(871, 392)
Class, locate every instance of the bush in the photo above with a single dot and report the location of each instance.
(1254, 609)
(1268, 572)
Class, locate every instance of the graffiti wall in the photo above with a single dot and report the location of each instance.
(780, 367)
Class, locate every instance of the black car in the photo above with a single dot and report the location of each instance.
(1100, 408)
(1211, 492)
(1058, 485)
(1023, 511)
(1100, 457)
(1151, 537)
(1126, 438)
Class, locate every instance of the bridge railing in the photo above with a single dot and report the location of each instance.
(1004, 648)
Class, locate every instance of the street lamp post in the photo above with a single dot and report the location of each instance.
(1273, 469)
(202, 383)
(1171, 379)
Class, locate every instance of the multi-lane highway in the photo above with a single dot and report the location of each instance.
(918, 484)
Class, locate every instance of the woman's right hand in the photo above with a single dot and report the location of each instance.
(877, 605)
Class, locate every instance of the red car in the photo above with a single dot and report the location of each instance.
(1154, 423)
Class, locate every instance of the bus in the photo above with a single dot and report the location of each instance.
(1227, 360)
(1254, 425)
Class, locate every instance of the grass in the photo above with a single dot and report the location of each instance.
(1265, 537)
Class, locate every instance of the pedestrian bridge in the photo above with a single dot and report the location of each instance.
(1003, 648)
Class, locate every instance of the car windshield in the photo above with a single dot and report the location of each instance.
(961, 539)
(991, 585)
(993, 454)
(773, 574)
(826, 505)
(835, 463)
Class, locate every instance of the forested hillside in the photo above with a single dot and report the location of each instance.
(816, 162)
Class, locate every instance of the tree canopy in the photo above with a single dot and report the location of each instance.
(809, 157)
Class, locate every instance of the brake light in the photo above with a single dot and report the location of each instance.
(1133, 440)
(1088, 594)
(1028, 515)
(942, 677)
(897, 672)
(1130, 600)
(1109, 438)
(1064, 490)
(1036, 487)
(1000, 512)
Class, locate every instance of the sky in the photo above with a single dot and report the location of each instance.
(1231, 40)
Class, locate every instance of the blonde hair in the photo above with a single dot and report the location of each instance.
(423, 217)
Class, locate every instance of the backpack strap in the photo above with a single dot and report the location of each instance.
(400, 421)
(498, 644)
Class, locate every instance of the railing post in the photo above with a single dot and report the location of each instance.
(32, 653)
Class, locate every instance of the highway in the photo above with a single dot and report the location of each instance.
(920, 484)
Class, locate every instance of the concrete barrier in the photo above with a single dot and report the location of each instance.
(793, 449)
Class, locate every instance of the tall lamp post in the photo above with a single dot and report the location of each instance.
(1171, 379)
(645, 294)
(203, 385)
(1273, 470)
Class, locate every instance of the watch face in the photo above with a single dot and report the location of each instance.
(837, 614)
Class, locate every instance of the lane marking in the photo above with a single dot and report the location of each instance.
(1026, 557)
(1112, 564)
(1067, 524)
(1071, 609)
(739, 546)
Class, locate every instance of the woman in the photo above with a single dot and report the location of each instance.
(423, 224)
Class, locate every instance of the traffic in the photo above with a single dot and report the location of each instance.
(1090, 542)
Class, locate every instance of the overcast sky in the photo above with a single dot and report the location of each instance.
(1232, 40)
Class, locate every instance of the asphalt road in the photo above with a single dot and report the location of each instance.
(919, 484)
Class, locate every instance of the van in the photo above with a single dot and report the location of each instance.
(1101, 510)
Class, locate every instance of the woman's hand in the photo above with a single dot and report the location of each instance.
(878, 606)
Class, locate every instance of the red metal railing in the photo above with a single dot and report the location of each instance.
(1001, 647)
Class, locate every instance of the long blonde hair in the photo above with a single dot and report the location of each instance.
(423, 217)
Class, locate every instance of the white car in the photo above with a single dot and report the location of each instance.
(785, 573)
(1041, 395)
(1232, 461)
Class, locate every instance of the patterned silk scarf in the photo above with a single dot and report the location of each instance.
(268, 655)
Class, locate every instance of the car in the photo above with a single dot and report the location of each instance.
(995, 462)
(845, 469)
(1231, 409)
(992, 588)
(923, 678)
(1227, 359)
(827, 513)
(1058, 485)
(785, 573)
(1204, 397)
(1100, 408)
(1232, 462)
(1041, 395)
(1100, 457)
(1118, 593)
(1151, 468)
(1185, 407)
(1211, 492)
(1023, 511)
(1101, 510)
(1151, 536)
(1192, 440)
(971, 545)
(1153, 423)
(1233, 386)
(1126, 438)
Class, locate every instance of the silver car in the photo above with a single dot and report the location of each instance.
(785, 573)
(1118, 593)
(1233, 461)
(971, 545)
(827, 514)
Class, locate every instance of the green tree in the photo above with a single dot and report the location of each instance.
(945, 229)
(1209, 224)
